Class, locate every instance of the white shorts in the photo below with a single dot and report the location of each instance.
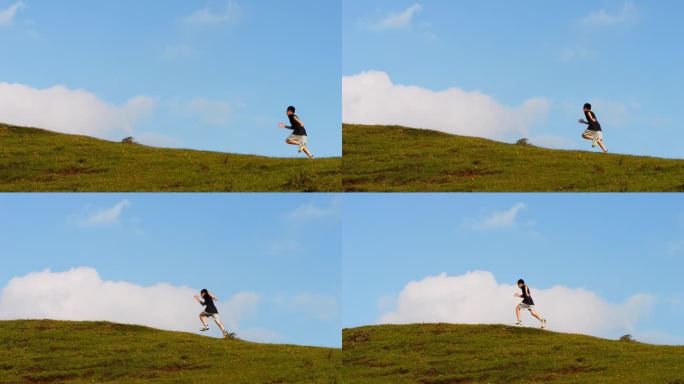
(300, 139)
(526, 306)
(214, 316)
(593, 134)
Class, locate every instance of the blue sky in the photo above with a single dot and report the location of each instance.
(282, 249)
(624, 56)
(615, 246)
(213, 74)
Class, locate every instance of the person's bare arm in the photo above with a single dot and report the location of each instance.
(299, 121)
(282, 125)
(527, 291)
(198, 300)
(591, 117)
(213, 297)
(582, 121)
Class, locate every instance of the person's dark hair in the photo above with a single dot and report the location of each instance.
(521, 281)
(204, 291)
(587, 106)
(291, 109)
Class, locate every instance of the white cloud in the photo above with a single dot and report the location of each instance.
(311, 211)
(103, 216)
(477, 298)
(70, 111)
(209, 17)
(209, 111)
(80, 294)
(372, 98)
(602, 18)
(397, 20)
(497, 219)
(8, 14)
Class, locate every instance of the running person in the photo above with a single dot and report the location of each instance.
(527, 303)
(594, 131)
(298, 136)
(210, 311)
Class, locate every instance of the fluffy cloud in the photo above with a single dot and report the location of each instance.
(8, 14)
(477, 298)
(602, 18)
(70, 111)
(372, 98)
(209, 17)
(398, 20)
(103, 216)
(497, 219)
(81, 294)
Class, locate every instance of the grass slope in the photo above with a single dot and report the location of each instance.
(38, 160)
(379, 158)
(87, 352)
(451, 354)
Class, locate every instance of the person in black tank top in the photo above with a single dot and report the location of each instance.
(593, 131)
(527, 303)
(298, 136)
(206, 299)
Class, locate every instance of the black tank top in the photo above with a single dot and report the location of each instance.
(593, 125)
(296, 127)
(526, 299)
(209, 305)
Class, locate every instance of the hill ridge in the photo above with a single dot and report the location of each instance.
(442, 353)
(50, 351)
(35, 159)
(380, 158)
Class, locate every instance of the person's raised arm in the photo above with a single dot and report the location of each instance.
(213, 297)
(282, 125)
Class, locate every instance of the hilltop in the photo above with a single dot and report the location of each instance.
(392, 158)
(447, 353)
(87, 352)
(38, 160)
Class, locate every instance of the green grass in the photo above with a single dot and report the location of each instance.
(98, 352)
(38, 160)
(380, 158)
(451, 354)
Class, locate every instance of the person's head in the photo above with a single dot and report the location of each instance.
(521, 282)
(290, 110)
(204, 292)
(587, 107)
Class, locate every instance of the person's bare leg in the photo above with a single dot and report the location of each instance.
(587, 137)
(204, 322)
(535, 314)
(603, 146)
(220, 325)
(306, 150)
(517, 312)
(291, 142)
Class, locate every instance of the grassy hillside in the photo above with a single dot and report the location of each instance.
(87, 352)
(449, 354)
(39, 160)
(378, 158)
